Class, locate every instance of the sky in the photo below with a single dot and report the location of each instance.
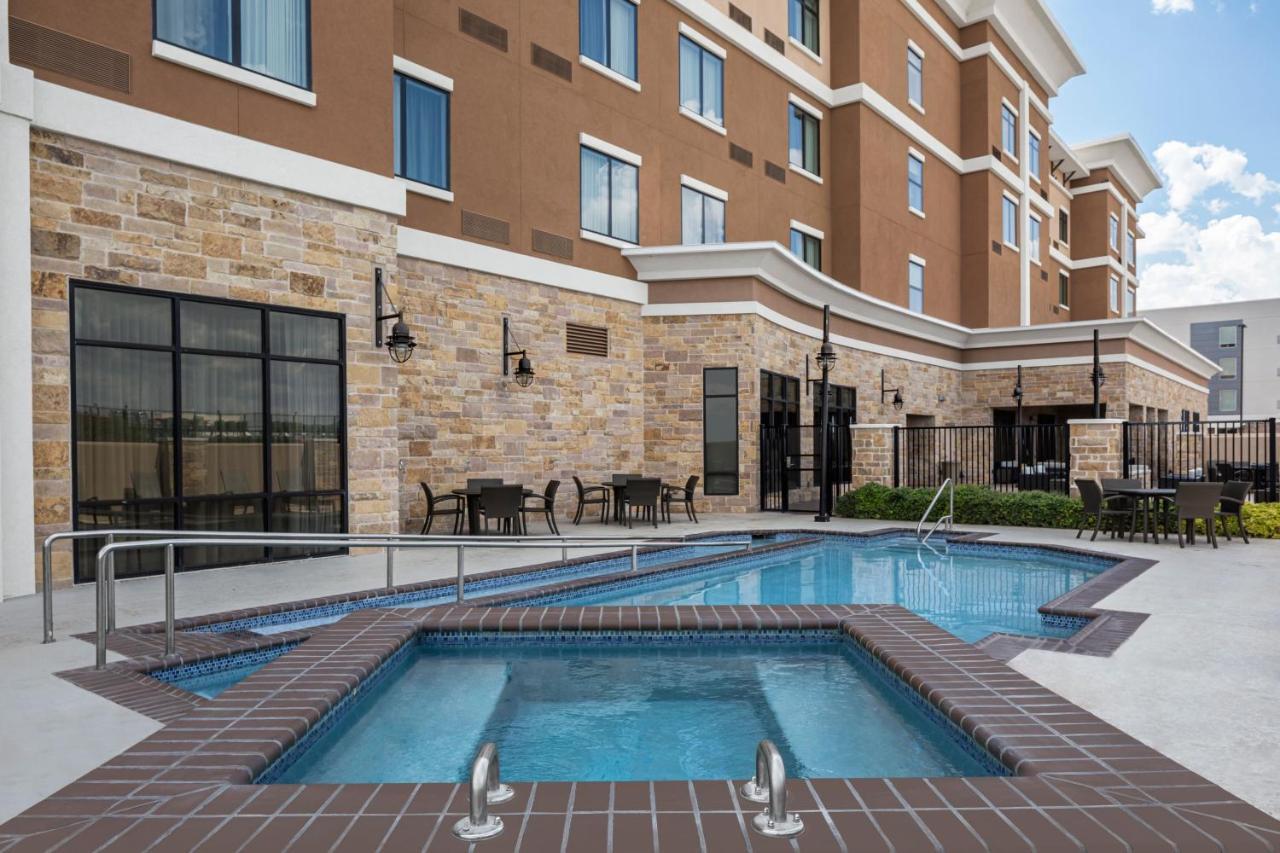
(1197, 83)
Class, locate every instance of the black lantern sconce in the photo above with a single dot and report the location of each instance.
(401, 343)
(1097, 377)
(884, 392)
(524, 369)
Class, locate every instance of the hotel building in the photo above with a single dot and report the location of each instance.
(211, 203)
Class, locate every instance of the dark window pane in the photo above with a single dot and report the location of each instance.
(237, 515)
(425, 118)
(304, 336)
(124, 424)
(306, 419)
(221, 425)
(148, 516)
(200, 25)
(720, 431)
(207, 325)
(127, 318)
(320, 515)
(721, 380)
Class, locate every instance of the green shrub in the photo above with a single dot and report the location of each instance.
(1261, 520)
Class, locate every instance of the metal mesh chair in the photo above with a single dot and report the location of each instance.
(1097, 508)
(642, 495)
(446, 505)
(543, 504)
(502, 504)
(680, 494)
(1234, 495)
(590, 496)
(1195, 502)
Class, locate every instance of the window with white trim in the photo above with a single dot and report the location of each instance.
(1064, 289)
(1033, 242)
(1009, 130)
(1033, 155)
(915, 286)
(701, 81)
(1228, 401)
(1131, 249)
(915, 183)
(802, 133)
(701, 217)
(269, 38)
(1114, 238)
(802, 23)
(1064, 226)
(610, 196)
(1009, 221)
(1227, 367)
(807, 247)
(1228, 336)
(607, 34)
(915, 76)
(1114, 297)
(420, 118)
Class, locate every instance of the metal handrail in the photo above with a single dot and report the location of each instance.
(106, 556)
(486, 789)
(774, 821)
(947, 485)
(110, 535)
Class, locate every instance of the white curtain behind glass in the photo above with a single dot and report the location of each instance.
(273, 38)
(200, 25)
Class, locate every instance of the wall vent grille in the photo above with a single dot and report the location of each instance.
(482, 29)
(485, 227)
(552, 62)
(775, 41)
(775, 171)
(996, 247)
(996, 152)
(739, 17)
(552, 244)
(586, 340)
(740, 155)
(40, 47)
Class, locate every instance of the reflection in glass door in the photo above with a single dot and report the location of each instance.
(200, 414)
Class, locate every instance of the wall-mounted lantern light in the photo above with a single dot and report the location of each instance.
(401, 343)
(524, 369)
(884, 392)
(1097, 377)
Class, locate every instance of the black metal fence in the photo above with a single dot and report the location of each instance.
(790, 466)
(1031, 457)
(1163, 454)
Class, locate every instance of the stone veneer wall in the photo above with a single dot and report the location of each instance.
(105, 215)
(460, 417)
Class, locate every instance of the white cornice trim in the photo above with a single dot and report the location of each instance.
(234, 73)
(109, 122)
(1107, 186)
(605, 71)
(465, 254)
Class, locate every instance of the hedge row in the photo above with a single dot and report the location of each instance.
(980, 505)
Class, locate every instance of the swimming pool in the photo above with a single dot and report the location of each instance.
(213, 676)
(969, 589)
(619, 710)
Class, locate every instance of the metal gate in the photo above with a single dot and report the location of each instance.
(791, 466)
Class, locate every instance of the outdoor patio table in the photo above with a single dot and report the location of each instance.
(1148, 499)
(472, 496)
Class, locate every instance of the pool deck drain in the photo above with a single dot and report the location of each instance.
(1080, 783)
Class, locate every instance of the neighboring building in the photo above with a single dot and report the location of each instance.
(1243, 339)
(659, 198)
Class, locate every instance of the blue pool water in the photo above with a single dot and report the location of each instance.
(595, 711)
(971, 590)
(211, 684)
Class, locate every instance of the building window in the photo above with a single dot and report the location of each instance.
(1131, 249)
(1033, 155)
(720, 430)
(802, 23)
(421, 122)
(1114, 298)
(803, 139)
(701, 81)
(1114, 239)
(915, 76)
(1227, 336)
(607, 34)
(199, 414)
(269, 37)
(1227, 367)
(610, 196)
(1130, 302)
(1064, 227)
(915, 183)
(1033, 244)
(1009, 130)
(1228, 401)
(1009, 221)
(701, 217)
(915, 285)
(1064, 289)
(807, 247)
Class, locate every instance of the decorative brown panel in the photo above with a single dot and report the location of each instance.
(552, 244)
(40, 47)
(775, 41)
(482, 29)
(552, 62)
(739, 17)
(740, 155)
(586, 340)
(485, 227)
(775, 171)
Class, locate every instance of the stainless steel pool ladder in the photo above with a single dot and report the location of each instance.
(770, 786)
(486, 790)
(948, 519)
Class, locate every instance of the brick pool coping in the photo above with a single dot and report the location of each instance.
(1079, 782)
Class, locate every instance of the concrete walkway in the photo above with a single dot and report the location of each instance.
(1196, 682)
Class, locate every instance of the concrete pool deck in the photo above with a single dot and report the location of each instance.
(1207, 658)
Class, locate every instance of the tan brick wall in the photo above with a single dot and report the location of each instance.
(106, 215)
(1096, 451)
(872, 455)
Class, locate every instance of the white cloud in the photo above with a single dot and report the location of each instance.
(1166, 232)
(1229, 259)
(1190, 170)
(1216, 205)
(1172, 7)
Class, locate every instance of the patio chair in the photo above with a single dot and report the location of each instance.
(543, 504)
(590, 496)
(502, 504)
(1234, 494)
(1098, 508)
(1224, 472)
(642, 495)
(678, 494)
(1194, 502)
(445, 505)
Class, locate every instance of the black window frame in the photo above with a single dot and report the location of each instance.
(682, 39)
(585, 147)
(911, 184)
(806, 240)
(236, 58)
(402, 137)
(1064, 289)
(918, 68)
(607, 62)
(809, 11)
(709, 477)
(178, 499)
(1064, 227)
(704, 198)
(805, 116)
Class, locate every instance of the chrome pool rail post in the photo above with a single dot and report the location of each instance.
(111, 587)
(391, 567)
(485, 789)
(46, 581)
(756, 789)
(462, 569)
(774, 821)
(169, 563)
